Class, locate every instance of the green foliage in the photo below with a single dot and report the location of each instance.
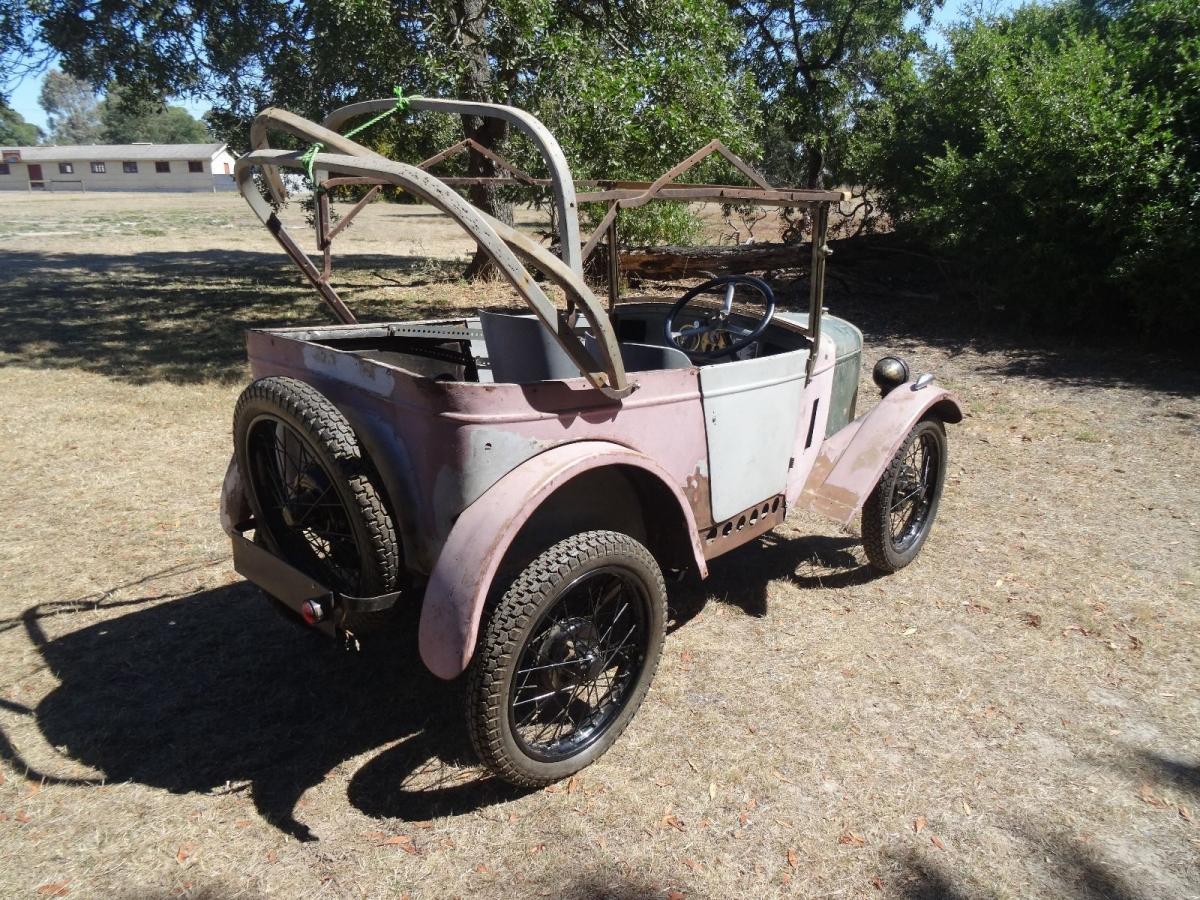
(815, 62)
(1055, 150)
(628, 86)
(15, 131)
(125, 120)
(632, 115)
(646, 226)
(71, 109)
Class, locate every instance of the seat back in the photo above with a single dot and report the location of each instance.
(521, 351)
(646, 357)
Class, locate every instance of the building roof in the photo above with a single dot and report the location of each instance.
(131, 152)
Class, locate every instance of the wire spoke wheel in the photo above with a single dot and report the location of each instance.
(911, 491)
(312, 490)
(576, 670)
(565, 657)
(899, 514)
(302, 511)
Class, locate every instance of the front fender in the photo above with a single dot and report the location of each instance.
(462, 576)
(852, 459)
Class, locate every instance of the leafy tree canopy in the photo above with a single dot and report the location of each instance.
(1056, 151)
(71, 109)
(627, 85)
(656, 69)
(126, 120)
(15, 131)
(814, 62)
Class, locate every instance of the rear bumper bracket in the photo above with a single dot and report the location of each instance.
(293, 588)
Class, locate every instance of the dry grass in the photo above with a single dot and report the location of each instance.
(1016, 714)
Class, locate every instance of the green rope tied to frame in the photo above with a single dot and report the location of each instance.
(310, 155)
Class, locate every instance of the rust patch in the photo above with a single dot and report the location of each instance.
(833, 501)
(744, 527)
(698, 496)
(820, 470)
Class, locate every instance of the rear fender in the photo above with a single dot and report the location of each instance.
(462, 576)
(852, 459)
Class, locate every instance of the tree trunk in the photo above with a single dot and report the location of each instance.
(489, 133)
(816, 169)
(478, 83)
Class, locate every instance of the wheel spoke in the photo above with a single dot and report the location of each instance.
(317, 503)
(572, 673)
(301, 507)
(557, 665)
(545, 695)
(915, 483)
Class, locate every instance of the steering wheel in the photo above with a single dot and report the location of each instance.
(715, 323)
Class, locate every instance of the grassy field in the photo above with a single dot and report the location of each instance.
(1014, 715)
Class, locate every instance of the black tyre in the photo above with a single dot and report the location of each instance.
(897, 517)
(313, 492)
(565, 657)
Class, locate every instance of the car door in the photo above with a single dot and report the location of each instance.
(752, 409)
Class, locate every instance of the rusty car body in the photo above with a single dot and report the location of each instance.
(494, 439)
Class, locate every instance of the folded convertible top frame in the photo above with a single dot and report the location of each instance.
(351, 163)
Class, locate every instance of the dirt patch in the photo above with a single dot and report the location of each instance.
(1015, 714)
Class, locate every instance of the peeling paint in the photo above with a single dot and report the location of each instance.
(361, 373)
(698, 496)
(852, 459)
(234, 506)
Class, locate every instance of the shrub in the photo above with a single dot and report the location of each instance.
(1055, 151)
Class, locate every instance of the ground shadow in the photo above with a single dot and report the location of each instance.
(215, 691)
(895, 292)
(180, 317)
(1081, 870)
(919, 879)
(1184, 774)
(742, 577)
(1072, 870)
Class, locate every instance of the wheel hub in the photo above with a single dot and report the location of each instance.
(570, 654)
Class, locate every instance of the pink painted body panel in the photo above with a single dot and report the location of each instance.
(466, 464)
(440, 446)
(459, 583)
(851, 460)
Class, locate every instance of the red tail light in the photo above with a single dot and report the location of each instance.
(312, 611)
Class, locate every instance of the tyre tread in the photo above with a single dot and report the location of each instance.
(325, 424)
(500, 640)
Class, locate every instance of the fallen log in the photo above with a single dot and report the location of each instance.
(672, 262)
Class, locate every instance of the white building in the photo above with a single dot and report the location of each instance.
(117, 167)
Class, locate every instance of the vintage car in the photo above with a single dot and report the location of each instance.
(527, 479)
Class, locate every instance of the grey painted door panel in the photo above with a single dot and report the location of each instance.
(752, 409)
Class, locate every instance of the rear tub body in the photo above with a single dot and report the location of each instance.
(439, 445)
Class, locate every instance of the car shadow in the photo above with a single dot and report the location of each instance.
(742, 578)
(214, 692)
